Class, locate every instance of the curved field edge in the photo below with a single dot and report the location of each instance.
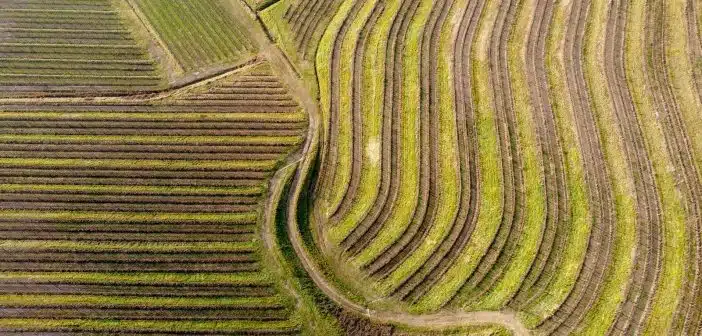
(279, 252)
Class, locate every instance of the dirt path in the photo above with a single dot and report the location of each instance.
(285, 70)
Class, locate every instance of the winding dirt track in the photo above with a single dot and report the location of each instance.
(678, 145)
(649, 243)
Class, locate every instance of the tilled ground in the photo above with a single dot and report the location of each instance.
(163, 194)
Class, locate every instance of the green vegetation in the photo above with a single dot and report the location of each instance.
(673, 233)
(490, 173)
(53, 48)
(200, 34)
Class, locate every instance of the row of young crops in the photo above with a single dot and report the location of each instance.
(59, 47)
(533, 155)
(143, 217)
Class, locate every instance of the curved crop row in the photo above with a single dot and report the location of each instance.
(426, 212)
(419, 283)
(679, 147)
(362, 234)
(504, 243)
(306, 17)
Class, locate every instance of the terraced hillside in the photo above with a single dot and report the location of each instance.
(530, 157)
(59, 47)
(142, 217)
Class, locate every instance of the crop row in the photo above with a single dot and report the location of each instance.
(307, 20)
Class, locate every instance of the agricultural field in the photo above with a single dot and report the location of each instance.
(350, 167)
(61, 47)
(533, 164)
(199, 34)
